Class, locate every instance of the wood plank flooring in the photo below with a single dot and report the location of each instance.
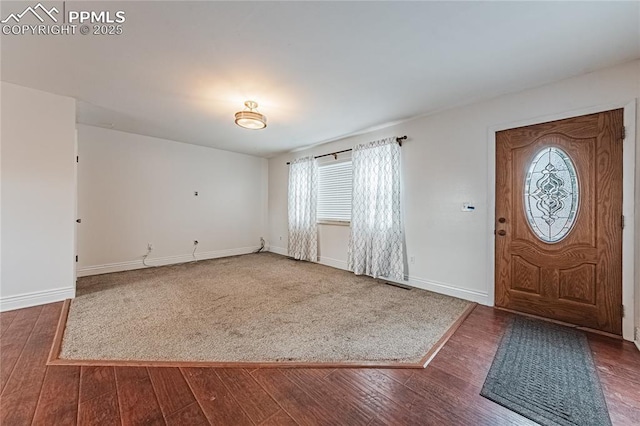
(445, 393)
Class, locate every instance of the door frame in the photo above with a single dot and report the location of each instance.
(75, 207)
(629, 284)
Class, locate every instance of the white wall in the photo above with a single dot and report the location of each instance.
(445, 163)
(38, 197)
(637, 220)
(134, 190)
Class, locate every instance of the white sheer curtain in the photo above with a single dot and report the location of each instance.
(376, 246)
(303, 200)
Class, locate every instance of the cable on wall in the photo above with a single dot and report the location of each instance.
(195, 247)
(144, 258)
(262, 243)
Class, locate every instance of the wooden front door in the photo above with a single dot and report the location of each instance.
(559, 220)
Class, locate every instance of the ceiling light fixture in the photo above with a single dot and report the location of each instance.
(250, 118)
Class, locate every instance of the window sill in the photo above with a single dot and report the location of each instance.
(334, 222)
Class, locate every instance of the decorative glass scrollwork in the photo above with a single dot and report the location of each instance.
(551, 195)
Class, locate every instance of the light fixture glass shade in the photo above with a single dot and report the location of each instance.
(251, 119)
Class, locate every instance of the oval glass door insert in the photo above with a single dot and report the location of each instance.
(551, 195)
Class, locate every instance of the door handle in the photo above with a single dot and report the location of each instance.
(502, 232)
(78, 220)
(502, 220)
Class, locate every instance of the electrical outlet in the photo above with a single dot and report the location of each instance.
(195, 242)
(195, 193)
(280, 237)
(149, 246)
(467, 207)
(412, 259)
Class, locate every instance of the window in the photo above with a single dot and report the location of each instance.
(551, 195)
(334, 192)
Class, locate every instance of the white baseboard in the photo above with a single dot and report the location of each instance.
(449, 290)
(334, 263)
(36, 298)
(279, 250)
(160, 261)
(323, 260)
(437, 287)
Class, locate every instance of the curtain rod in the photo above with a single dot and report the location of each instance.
(335, 154)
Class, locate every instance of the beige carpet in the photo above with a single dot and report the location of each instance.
(257, 307)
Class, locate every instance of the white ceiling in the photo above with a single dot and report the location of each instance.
(319, 70)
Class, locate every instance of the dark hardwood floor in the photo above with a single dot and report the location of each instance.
(445, 393)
